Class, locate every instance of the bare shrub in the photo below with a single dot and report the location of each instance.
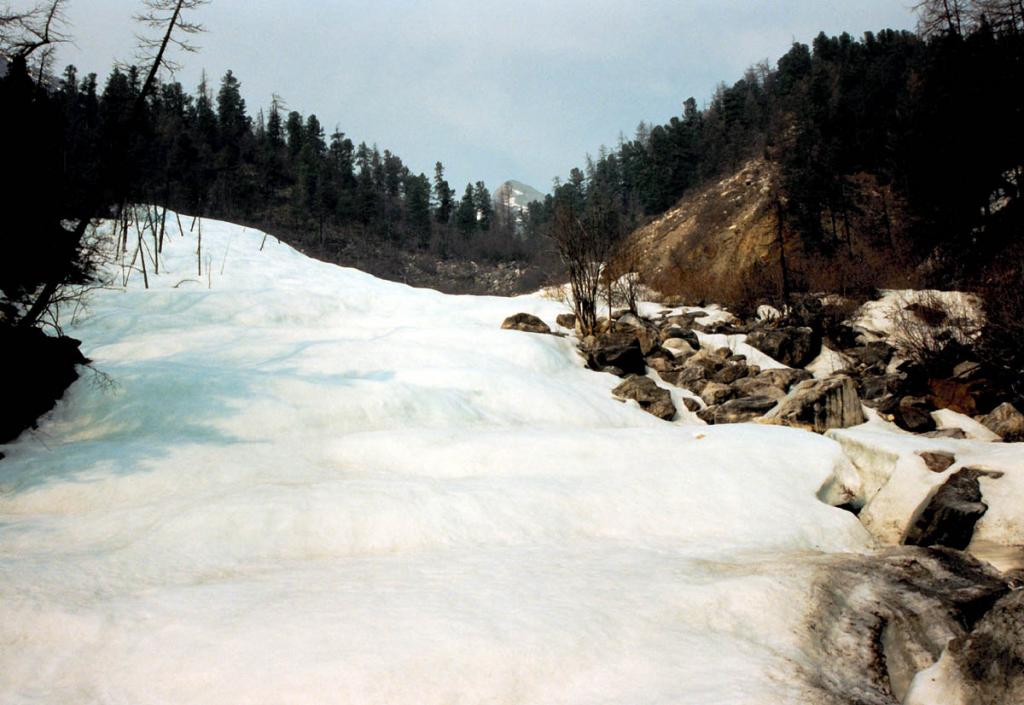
(934, 330)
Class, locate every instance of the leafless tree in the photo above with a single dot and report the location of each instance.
(37, 29)
(941, 16)
(169, 27)
(23, 32)
(583, 243)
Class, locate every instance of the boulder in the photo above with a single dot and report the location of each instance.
(743, 410)
(913, 414)
(948, 517)
(792, 346)
(566, 320)
(691, 404)
(681, 333)
(678, 346)
(956, 434)
(819, 405)
(715, 393)
(707, 414)
(1005, 421)
(990, 660)
(694, 378)
(39, 368)
(783, 378)
(731, 372)
(871, 354)
(937, 461)
(609, 350)
(651, 398)
(873, 387)
(755, 387)
(526, 322)
(706, 359)
(659, 364)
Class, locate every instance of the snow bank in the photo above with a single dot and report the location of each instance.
(310, 485)
(895, 481)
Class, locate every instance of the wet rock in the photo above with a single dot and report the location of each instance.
(1005, 421)
(793, 346)
(715, 393)
(937, 461)
(879, 619)
(991, 658)
(948, 516)
(913, 414)
(819, 405)
(525, 322)
(651, 398)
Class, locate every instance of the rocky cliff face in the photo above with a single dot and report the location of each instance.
(733, 240)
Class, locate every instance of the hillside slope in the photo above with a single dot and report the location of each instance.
(724, 242)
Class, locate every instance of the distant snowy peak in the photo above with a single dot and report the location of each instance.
(517, 194)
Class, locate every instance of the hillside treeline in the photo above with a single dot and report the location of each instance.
(927, 124)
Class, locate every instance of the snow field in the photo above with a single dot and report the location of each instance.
(310, 485)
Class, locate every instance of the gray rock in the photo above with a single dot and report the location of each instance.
(947, 518)
(694, 378)
(707, 359)
(731, 372)
(877, 386)
(990, 660)
(681, 333)
(707, 414)
(651, 398)
(784, 378)
(716, 393)
(795, 347)
(678, 346)
(614, 350)
(956, 434)
(819, 405)
(566, 320)
(1005, 421)
(878, 619)
(913, 414)
(871, 353)
(525, 322)
(691, 404)
(756, 387)
(743, 410)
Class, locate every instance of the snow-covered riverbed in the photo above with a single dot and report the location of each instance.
(312, 486)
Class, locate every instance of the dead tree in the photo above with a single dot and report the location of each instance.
(583, 242)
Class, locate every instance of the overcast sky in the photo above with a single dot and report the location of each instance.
(495, 90)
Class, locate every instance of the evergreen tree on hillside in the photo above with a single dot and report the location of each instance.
(465, 214)
(484, 206)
